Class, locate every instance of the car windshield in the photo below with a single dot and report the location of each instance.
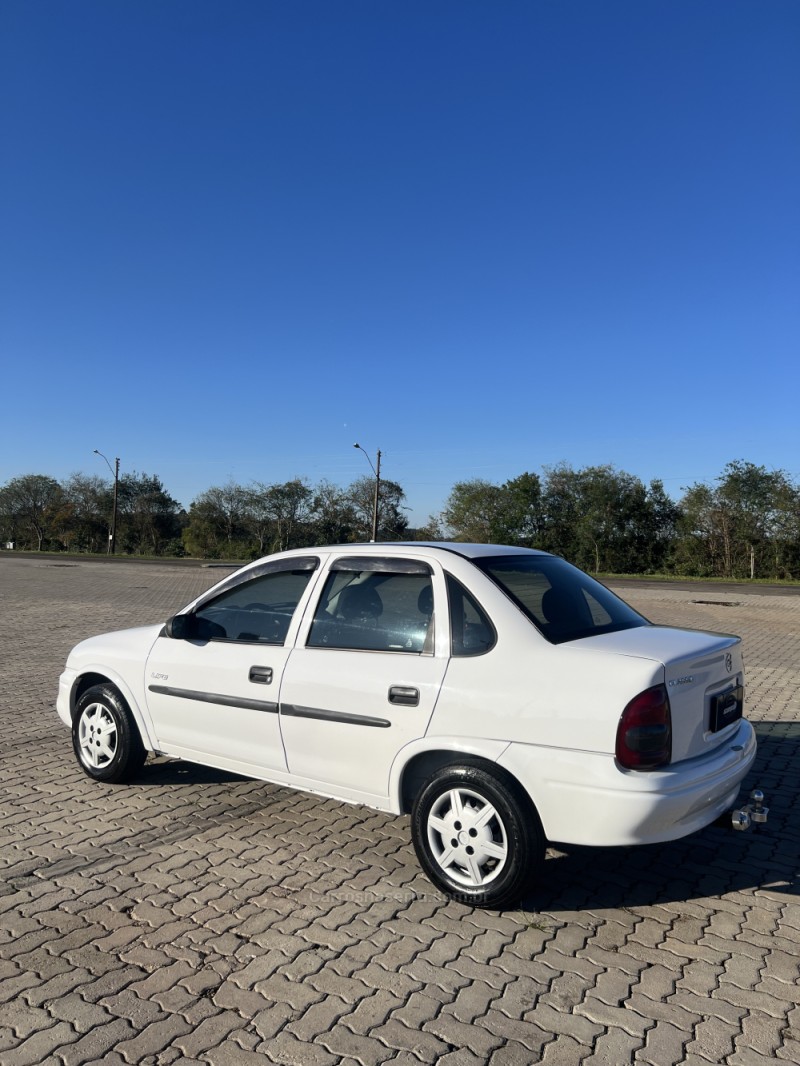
(561, 601)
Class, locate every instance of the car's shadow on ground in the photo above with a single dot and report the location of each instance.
(715, 862)
(710, 863)
(164, 771)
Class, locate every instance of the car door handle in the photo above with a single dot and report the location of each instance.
(261, 675)
(404, 696)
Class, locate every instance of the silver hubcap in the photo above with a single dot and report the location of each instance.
(97, 736)
(467, 837)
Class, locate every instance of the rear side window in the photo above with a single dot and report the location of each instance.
(471, 631)
(561, 601)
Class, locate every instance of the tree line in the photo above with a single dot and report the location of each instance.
(745, 524)
(229, 521)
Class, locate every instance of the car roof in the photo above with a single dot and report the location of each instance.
(468, 551)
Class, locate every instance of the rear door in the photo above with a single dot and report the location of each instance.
(365, 675)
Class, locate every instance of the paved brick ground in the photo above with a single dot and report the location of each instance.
(197, 917)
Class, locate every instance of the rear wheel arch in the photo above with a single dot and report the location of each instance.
(423, 766)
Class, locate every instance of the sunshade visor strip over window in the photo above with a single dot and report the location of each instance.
(562, 602)
(363, 564)
(242, 577)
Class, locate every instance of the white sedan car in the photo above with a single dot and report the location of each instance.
(498, 695)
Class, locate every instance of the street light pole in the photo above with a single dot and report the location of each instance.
(377, 473)
(112, 540)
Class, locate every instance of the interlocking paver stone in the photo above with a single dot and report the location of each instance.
(96, 1043)
(319, 1018)
(528, 1034)
(208, 1034)
(375, 1009)
(512, 1053)
(33, 1050)
(197, 917)
(399, 1037)
(355, 1047)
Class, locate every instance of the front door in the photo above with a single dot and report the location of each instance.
(213, 695)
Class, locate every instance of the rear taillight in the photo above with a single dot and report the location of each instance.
(644, 733)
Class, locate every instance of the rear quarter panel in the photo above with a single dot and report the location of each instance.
(530, 691)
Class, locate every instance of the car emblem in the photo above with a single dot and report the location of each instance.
(682, 681)
(729, 662)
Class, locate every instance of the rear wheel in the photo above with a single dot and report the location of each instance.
(105, 736)
(477, 836)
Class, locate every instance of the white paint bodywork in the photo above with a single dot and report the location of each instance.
(546, 713)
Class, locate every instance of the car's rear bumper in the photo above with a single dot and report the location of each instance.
(585, 798)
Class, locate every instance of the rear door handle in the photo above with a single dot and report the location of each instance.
(404, 695)
(261, 675)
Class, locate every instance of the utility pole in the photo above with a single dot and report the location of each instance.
(114, 511)
(375, 504)
(112, 539)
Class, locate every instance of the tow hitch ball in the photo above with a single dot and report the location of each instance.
(754, 813)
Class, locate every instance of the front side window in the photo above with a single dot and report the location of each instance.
(375, 609)
(257, 611)
(562, 602)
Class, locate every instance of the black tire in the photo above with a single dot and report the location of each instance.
(105, 736)
(477, 836)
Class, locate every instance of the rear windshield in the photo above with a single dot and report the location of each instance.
(561, 601)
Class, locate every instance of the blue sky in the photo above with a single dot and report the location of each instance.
(483, 237)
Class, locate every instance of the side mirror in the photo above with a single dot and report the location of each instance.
(178, 626)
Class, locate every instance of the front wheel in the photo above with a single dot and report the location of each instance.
(105, 737)
(477, 836)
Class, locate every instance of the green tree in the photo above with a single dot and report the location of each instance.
(520, 519)
(30, 505)
(148, 517)
(88, 502)
(333, 516)
(659, 530)
(217, 523)
(432, 530)
(279, 515)
(785, 530)
(480, 512)
(392, 523)
(561, 507)
(744, 526)
(473, 513)
(604, 519)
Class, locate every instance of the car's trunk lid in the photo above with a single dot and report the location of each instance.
(704, 676)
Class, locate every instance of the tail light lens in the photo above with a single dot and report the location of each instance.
(644, 733)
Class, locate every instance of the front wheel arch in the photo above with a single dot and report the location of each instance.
(84, 682)
(105, 736)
